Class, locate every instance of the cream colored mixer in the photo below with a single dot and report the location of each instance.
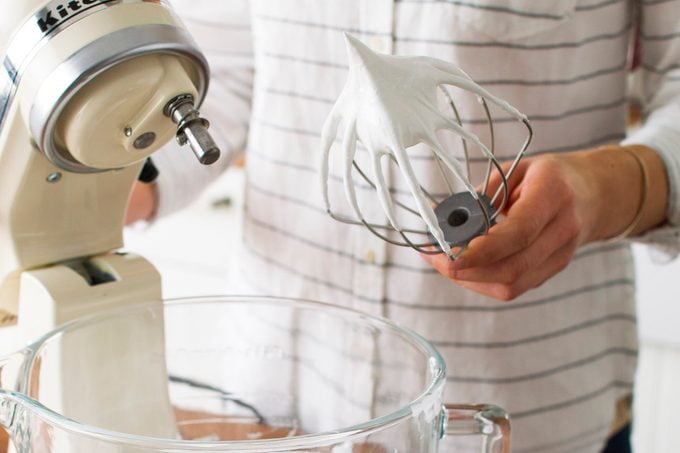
(88, 90)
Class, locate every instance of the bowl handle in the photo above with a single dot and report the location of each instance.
(487, 420)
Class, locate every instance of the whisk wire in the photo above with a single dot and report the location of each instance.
(431, 247)
(389, 121)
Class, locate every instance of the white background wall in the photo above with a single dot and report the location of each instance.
(657, 393)
(194, 249)
(659, 299)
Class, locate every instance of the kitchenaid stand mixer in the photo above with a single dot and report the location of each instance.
(88, 90)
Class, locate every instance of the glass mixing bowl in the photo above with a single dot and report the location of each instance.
(235, 374)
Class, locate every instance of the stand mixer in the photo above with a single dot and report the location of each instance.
(88, 90)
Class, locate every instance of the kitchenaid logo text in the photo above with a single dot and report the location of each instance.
(52, 16)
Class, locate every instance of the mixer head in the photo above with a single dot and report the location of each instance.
(101, 83)
(389, 105)
(88, 90)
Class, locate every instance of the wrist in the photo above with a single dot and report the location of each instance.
(629, 190)
(643, 197)
(593, 174)
(654, 211)
(618, 186)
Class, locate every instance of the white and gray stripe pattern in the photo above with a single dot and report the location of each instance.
(559, 357)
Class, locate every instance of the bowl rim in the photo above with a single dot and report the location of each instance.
(428, 400)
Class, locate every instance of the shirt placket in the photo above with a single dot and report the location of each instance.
(375, 22)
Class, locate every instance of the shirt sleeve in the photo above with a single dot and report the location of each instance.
(222, 31)
(658, 90)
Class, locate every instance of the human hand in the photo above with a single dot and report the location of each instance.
(142, 204)
(557, 203)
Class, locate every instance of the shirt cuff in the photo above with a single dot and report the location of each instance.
(661, 135)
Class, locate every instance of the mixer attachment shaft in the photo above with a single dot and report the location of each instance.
(192, 129)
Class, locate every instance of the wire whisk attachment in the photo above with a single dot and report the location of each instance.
(390, 104)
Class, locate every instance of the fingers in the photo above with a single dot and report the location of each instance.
(513, 235)
(502, 291)
(538, 199)
(560, 232)
(507, 291)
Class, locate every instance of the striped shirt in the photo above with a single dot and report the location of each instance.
(560, 356)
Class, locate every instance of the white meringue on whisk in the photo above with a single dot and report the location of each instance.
(389, 104)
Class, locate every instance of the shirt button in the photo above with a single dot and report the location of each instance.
(370, 257)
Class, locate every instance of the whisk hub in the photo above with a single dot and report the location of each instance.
(462, 218)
